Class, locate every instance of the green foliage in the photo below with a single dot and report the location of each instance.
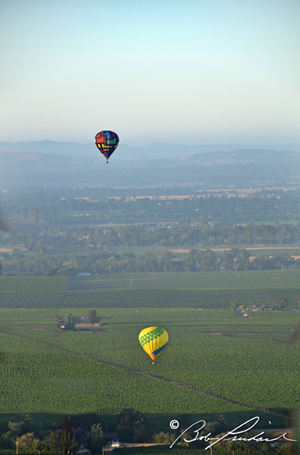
(131, 418)
(32, 284)
(150, 298)
(70, 324)
(234, 305)
(132, 426)
(68, 441)
(92, 317)
(96, 438)
(245, 364)
(213, 351)
(164, 438)
(50, 442)
(28, 442)
(283, 303)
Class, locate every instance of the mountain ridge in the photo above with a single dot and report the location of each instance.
(126, 152)
(234, 167)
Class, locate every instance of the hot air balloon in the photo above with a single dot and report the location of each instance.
(153, 340)
(107, 142)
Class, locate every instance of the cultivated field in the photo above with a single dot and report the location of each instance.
(155, 290)
(215, 363)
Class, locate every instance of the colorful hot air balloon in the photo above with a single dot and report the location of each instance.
(153, 340)
(107, 142)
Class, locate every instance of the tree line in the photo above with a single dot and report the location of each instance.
(163, 261)
(43, 212)
(76, 432)
(176, 235)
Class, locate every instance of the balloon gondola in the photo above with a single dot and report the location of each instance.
(107, 142)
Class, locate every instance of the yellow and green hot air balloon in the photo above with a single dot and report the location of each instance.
(153, 340)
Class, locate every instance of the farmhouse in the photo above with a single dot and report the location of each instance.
(61, 324)
(254, 308)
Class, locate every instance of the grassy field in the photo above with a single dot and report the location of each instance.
(156, 290)
(191, 280)
(149, 298)
(215, 363)
(269, 279)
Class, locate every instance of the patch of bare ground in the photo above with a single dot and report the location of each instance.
(90, 325)
(179, 251)
(258, 247)
(240, 192)
(262, 247)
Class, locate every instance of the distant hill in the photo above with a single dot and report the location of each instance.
(255, 156)
(210, 169)
(127, 152)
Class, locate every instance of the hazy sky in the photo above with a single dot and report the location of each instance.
(187, 71)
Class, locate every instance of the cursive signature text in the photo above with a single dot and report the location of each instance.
(231, 435)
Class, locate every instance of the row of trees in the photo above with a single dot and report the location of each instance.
(53, 213)
(26, 435)
(63, 208)
(69, 323)
(74, 432)
(80, 431)
(184, 235)
(281, 305)
(162, 261)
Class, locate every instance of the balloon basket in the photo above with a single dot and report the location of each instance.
(153, 363)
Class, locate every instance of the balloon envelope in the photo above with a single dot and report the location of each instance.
(153, 340)
(107, 142)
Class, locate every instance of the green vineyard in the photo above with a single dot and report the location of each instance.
(216, 362)
(148, 298)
